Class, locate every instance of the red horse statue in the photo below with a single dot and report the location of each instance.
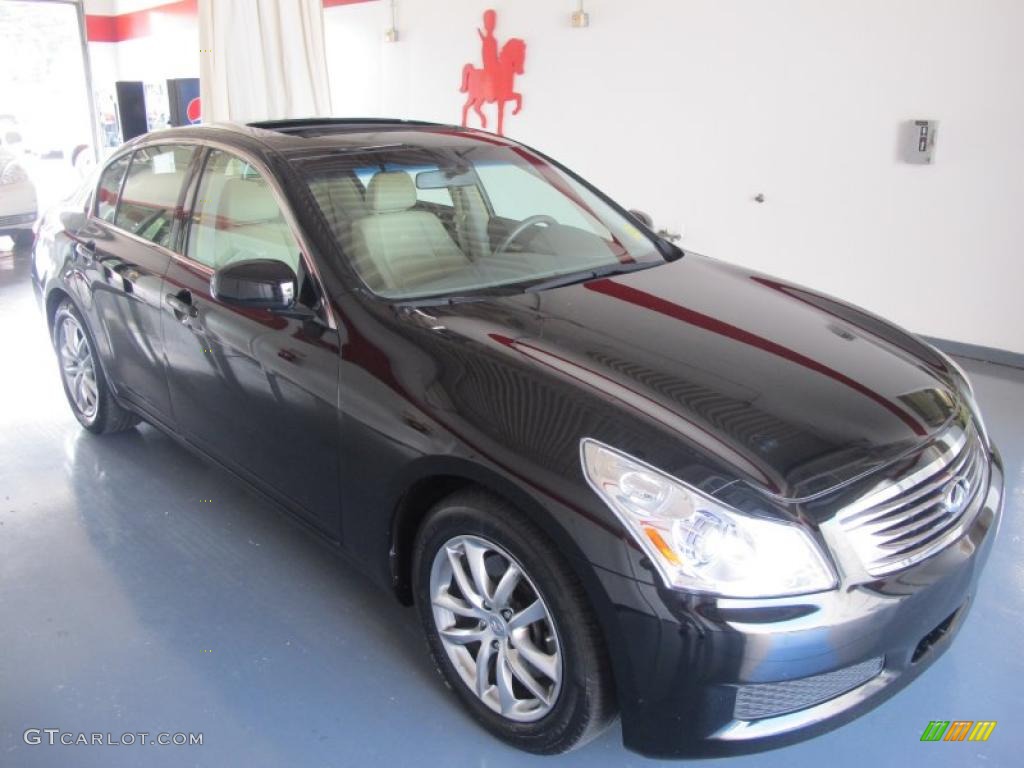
(494, 83)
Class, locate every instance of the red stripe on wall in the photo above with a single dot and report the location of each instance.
(101, 29)
(128, 26)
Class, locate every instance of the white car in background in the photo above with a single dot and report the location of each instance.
(18, 209)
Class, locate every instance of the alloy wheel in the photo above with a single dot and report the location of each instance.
(496, 628)
(78, 367)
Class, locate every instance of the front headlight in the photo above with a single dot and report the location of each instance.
(699, 544)
(12, 173)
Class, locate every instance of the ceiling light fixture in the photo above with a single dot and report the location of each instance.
(391, 33)
(580, 18)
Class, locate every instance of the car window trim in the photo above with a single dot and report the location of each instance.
(94, 203)
(120, 194)
(189, 210)
(181, 193)
(141, 240)
(188, 193)
(100, 221)
(120, 186)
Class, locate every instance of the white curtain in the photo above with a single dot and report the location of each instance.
(262, 60)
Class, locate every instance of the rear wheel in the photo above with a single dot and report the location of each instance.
(86, 387)
(509, 626)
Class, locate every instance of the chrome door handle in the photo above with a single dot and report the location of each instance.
(86, 251)
(184, 310)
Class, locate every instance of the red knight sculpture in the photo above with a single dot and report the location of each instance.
(494, 83)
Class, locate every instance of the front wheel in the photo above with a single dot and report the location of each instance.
(509, 626)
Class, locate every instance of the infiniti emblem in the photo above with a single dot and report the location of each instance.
(497, 626)
(956, 497)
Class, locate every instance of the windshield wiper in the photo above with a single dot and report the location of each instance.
(460, 298)
(514, 289)
(589, 274)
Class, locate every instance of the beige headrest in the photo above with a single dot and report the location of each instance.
(347, 192)
(391, 191)
(245, 201)
(160, 189)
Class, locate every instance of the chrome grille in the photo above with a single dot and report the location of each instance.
(905, 522)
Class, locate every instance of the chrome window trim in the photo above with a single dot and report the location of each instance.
(164, 250)
(124, 181)
(95, 203)
(192, 263)
(275, 188)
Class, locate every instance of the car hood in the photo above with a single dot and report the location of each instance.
(787, 390)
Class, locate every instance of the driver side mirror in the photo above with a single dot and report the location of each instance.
(648, 221)
(643, 217)
(256, 284)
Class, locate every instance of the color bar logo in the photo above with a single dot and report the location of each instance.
(958, 730)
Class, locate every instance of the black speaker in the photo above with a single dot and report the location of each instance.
(131, 108)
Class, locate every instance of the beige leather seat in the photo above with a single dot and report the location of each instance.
(396, 248)
(249, 225)
(341, 199)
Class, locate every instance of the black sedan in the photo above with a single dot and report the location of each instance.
(613, 477)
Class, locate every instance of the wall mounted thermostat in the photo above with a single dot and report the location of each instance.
(918, 141)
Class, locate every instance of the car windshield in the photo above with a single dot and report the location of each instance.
(463, 217)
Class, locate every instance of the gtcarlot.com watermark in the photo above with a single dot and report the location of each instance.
(55, 736)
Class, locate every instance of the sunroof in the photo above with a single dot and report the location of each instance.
(318, 125)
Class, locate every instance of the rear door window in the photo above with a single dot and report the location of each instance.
(152, 191)
(110, 188)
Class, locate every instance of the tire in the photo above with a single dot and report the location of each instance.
(580, 703)
(94, 406)
(23, 238)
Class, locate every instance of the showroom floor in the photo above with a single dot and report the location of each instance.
(127, 605)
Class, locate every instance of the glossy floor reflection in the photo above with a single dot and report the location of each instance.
(128, 605)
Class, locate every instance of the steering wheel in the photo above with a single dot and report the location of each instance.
(522, 226)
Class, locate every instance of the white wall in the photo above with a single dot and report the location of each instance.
(103, 7)
(690, 108)
(171, 51)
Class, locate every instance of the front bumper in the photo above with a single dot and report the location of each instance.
(711, 677)
(18, 221)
